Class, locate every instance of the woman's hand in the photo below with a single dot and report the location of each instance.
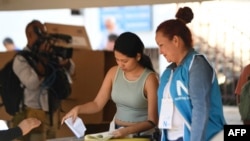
(72, 113)
(120, 133)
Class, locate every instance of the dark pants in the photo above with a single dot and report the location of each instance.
(179, 139)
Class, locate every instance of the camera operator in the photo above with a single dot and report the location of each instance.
(32, 75)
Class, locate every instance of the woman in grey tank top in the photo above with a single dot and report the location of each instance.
(132, 84)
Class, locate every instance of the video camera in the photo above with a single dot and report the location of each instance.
(54, 41)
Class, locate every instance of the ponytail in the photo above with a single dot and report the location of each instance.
(145, 61)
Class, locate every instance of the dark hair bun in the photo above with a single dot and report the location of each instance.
(185, 14)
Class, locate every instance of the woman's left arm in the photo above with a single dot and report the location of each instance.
(200, 83)
(151, 87)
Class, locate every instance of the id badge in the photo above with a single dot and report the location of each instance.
(166, 114)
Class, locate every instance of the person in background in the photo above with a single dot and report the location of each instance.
(244, 77)
(189, 96)
(111, 42)
(9, 44)
(132, 85)
(23, 128)
(33, 77)
(111, 31)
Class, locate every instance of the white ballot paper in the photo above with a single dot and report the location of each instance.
(78, 128)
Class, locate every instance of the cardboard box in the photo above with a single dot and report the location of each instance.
(79, 35)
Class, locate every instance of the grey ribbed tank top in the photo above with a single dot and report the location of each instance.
(131, 104)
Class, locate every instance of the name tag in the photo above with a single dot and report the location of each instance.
(166, 114)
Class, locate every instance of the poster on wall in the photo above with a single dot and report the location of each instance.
(128, 18)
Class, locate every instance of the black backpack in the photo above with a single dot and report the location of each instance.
(11, 89)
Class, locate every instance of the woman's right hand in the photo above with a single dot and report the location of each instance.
(72, 113)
